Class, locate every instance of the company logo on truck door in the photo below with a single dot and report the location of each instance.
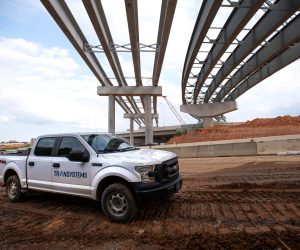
(68, 174)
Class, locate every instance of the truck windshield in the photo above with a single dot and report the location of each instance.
(107, 143)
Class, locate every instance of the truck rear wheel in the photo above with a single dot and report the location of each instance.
(13, 188)
(118, 203)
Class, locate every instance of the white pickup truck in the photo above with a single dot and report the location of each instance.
(99, 166)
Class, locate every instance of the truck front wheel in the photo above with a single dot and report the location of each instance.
(13, 188)
(118, 203)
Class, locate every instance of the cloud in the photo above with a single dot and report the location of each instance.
(45, 86)
(4, 119)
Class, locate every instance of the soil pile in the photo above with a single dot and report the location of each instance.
(282, 125)
(14, 146)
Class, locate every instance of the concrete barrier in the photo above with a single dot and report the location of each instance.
(273, 147)
(240, 147)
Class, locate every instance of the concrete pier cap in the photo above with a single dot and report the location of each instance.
(208, 111)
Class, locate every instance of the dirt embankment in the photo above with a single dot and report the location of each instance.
(282, 125)
(13, 146)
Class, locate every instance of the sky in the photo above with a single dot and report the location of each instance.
(46, 87)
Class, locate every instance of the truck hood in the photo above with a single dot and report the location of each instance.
(141, 156)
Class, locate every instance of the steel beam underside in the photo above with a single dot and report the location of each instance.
(165, 22)
(67, 23)
(282, 10)
(235, 23)
(97, 16)
(205, 18)
(133, 28)
(268, 24)
(285, 38)
(285, 58)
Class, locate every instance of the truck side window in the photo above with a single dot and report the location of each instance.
(44, 146)
(69, 144)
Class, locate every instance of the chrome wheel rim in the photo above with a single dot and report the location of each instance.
(117, 204)
(13, 189)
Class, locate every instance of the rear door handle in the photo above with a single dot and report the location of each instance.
(56, 165)
(31, 163)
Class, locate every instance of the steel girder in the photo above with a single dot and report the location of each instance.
(97, 16)
(205, 18)
(67, 23)
(133, 27)
(268, 24)
(288, 56)
(165, 22)
(235, 23)
(285, 38)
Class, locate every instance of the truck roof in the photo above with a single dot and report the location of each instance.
(72, 134)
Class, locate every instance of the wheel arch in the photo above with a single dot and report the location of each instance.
(105, 182)
(8, 173)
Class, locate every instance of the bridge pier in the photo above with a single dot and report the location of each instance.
(111, 114)
(148, 135)
(208, 111)
(208, 122)
(146, 91)
(131, 141)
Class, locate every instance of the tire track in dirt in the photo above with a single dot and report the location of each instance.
(257, 209)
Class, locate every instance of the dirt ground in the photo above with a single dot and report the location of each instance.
(225, 203)
(282, 125)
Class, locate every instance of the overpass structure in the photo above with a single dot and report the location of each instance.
(223, 60)
(139, 101)
(226, 59)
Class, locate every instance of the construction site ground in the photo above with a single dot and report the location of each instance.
(225, 203)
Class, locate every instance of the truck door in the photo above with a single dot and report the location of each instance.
(39, 164)
(70, 177)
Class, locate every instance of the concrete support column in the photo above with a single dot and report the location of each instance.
(148, 121)
(207, 122)
(131, 132)
(111, 114)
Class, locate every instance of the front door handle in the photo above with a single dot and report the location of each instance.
(31, 163)
(56, 165)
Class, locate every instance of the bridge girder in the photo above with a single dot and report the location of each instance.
(66, 21)
(205, 18)
(97, 16)
(285, 38)
(285, 58)
(62, 15)
(274, 31)
(233, 26)
(268, 24)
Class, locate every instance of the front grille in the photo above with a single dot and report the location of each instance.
(168, 170)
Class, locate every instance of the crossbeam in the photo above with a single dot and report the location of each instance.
(129, 90)
(142, 115)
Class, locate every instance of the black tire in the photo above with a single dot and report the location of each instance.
(118, 203)
(13, 188)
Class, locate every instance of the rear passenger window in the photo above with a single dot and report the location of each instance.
(44, 146)
(69, 144)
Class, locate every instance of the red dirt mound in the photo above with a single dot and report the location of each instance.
(282, 125)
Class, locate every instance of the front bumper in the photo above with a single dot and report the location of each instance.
(149, 192)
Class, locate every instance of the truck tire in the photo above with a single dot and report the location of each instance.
(13, 189)
(118, 203)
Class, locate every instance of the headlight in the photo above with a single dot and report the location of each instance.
(144, 172)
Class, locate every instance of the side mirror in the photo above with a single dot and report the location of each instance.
(77, 155)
